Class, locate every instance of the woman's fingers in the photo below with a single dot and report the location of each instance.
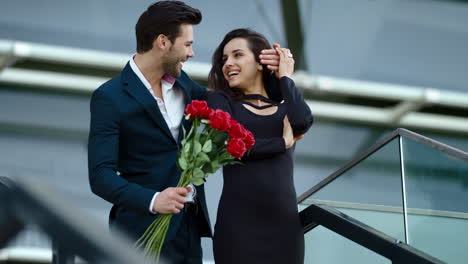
(280, 53)
(298, 137)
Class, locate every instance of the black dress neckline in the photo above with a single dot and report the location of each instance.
(261, 98)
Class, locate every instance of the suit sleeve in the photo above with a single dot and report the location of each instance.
(299, 113)
(263, 147)
(197, 92)
(103, 152)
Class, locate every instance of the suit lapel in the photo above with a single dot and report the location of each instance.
(140, 93)
(185, 123)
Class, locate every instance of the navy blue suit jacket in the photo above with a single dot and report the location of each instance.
(132, 153)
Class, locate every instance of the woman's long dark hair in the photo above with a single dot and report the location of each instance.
(256, 42)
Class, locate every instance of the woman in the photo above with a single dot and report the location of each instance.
(257, 219)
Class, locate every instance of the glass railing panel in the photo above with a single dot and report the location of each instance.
(436, 188)
(374, 181)
(326, 247)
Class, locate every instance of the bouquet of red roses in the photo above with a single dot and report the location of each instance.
(214, 140)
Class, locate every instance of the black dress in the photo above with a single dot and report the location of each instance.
(257, 220)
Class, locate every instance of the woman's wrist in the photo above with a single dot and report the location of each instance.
(288, 142)
(284, 75)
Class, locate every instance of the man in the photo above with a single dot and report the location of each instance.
(135, 133)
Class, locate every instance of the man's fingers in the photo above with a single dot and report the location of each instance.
(270, 62)
(269, 52)
(189, 189)
(180, 199)
(269, 56)
(276, 45)
(272, 68)
(179, 206)
(181, 191)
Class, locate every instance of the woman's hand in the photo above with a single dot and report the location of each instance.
(279, 60)
(288, 136)
(286, 63)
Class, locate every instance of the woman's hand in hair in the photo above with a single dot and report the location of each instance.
(286, 63)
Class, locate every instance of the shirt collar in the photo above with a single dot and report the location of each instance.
(167, 81)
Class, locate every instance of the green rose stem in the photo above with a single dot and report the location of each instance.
(154, 236)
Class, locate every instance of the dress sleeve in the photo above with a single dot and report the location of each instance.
(198, 92)
(299, 113)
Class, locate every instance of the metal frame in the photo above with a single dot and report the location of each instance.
(403, 189)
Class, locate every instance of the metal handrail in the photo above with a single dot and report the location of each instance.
(30, 202)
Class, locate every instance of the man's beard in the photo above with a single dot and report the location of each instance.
(171, 67)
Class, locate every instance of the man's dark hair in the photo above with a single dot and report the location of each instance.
(256, 43)
(164, 17)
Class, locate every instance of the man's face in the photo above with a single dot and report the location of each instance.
(179, 52)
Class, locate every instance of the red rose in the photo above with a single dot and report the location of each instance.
(237, 130)
(206, 112)
(249, 140)
(197, 109)
(236, 147)
(220, 120)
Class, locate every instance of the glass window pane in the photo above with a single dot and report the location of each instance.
(437, 201)
(326, 247)
(369, 191)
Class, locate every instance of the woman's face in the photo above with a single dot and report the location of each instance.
(240, 68)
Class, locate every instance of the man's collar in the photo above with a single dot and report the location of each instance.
(167, 80)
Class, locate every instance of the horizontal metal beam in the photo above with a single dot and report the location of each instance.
(198, 70)
(404, 114)
(82, 57)
(355, 88)
(43, 80)
(384, 117)
(79, 84)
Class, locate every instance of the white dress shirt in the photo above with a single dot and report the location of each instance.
(171, 106)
